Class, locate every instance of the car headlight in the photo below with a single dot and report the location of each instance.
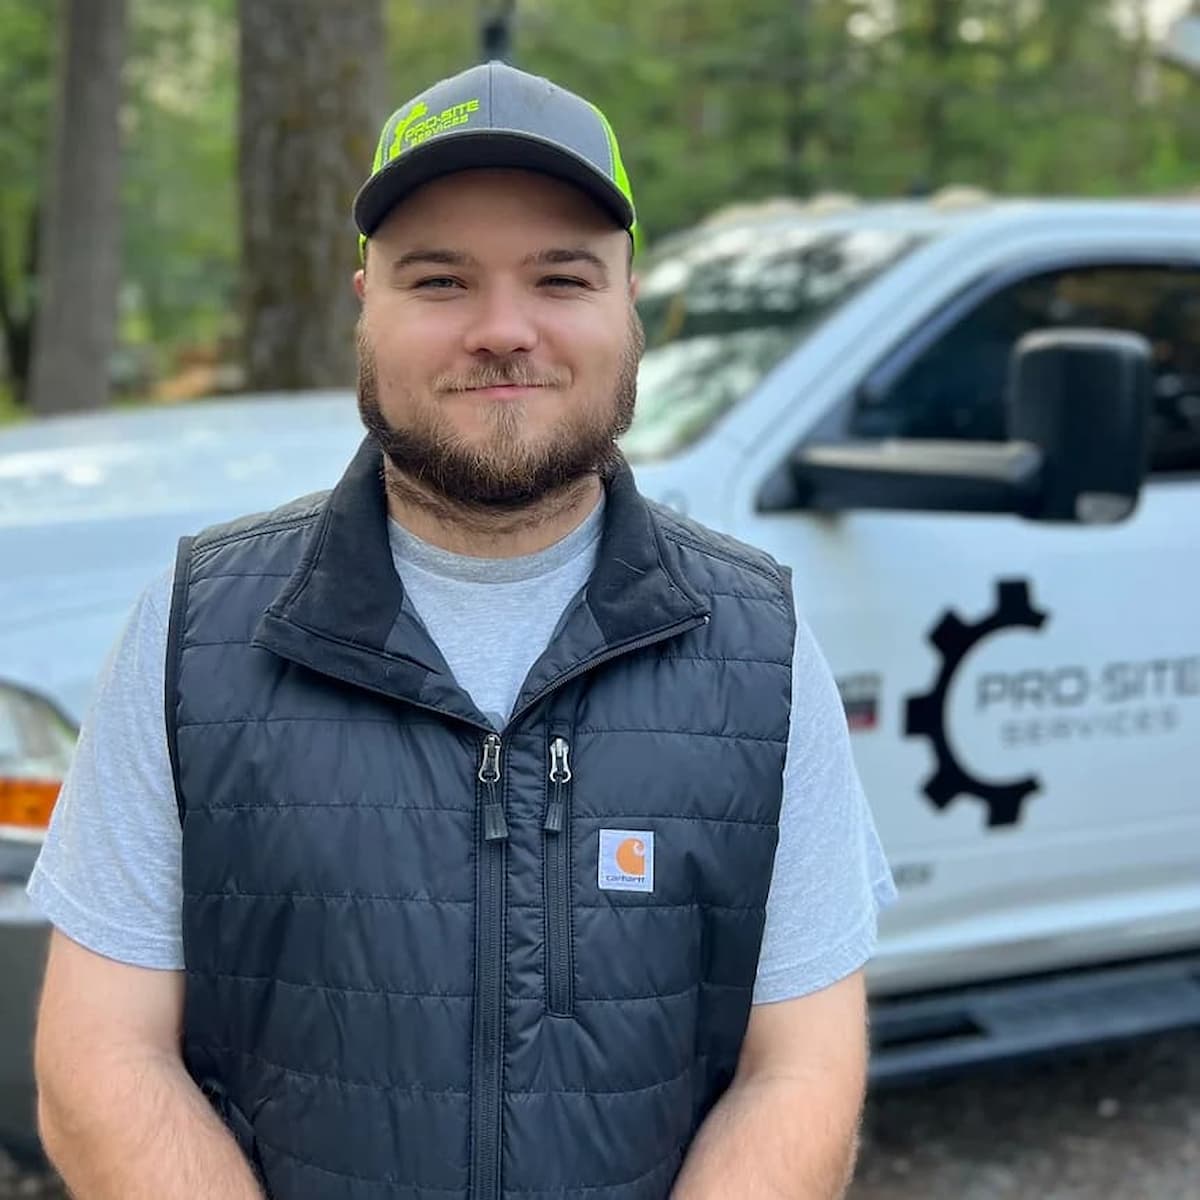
(36, 744)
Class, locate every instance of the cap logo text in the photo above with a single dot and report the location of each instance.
(417, 127)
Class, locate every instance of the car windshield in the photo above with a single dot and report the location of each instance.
(722, 310)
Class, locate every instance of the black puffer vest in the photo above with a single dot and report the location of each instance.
(429, 962)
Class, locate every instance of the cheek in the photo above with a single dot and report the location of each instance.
(590, 343)
(407, 353)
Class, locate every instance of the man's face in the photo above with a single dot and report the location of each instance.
(498, 344)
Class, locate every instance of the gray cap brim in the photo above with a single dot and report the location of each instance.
(473, 149)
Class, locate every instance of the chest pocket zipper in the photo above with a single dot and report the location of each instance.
(556, 841)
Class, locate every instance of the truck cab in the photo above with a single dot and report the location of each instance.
(1023, 693)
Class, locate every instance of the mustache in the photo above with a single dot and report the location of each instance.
(510, 373)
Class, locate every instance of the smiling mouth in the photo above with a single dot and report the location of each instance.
(504, 389)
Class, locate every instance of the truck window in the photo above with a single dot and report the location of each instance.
(722, 308)
(956, 388)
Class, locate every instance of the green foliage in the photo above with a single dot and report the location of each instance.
(716, 102)
(427, 40)
(10, 410)
(179, 185)
(27, 56)
(713, 102)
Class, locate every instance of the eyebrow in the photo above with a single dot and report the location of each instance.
(543, 258)
(558, 258)
(444, 258)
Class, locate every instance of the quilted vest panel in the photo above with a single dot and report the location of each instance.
(425, 961)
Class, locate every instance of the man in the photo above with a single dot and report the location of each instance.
(446, 873)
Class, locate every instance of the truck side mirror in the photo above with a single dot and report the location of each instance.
(1082, 397)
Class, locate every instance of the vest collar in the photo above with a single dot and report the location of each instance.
(342, 612)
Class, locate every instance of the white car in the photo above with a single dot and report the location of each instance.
(1003, 575)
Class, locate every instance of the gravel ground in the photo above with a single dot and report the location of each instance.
(1115, 1124)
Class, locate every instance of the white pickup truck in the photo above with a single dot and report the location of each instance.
(1001, 562)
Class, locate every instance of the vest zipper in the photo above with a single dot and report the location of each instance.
(560, 967)
(495, 827)
(488, 1040)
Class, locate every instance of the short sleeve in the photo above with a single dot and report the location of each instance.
(109, 873)
(830, 879)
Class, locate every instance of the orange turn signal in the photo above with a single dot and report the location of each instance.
(27, 803)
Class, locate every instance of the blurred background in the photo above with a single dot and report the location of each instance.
(175, 178)
(175, 187)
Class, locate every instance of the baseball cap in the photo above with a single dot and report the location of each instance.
(494, 115)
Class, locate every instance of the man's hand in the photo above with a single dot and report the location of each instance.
(787, 1128)
(120, 1118)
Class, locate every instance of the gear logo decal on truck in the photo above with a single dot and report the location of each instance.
(925, 715)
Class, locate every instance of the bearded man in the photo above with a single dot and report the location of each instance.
(477, 829)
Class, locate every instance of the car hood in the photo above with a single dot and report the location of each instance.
(91, 508)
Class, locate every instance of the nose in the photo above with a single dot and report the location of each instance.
(500, 324)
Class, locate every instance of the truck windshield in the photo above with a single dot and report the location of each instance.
(722, 310)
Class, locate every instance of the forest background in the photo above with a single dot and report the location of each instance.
(175, 177)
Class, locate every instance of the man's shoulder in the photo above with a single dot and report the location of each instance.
(727, 556)
(295, 514)
(269, 543)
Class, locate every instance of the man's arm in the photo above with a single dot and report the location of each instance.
(120, 1117)
(787, 1128)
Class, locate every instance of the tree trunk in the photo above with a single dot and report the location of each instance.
(798, 119)
(79, 260)
(18, 313)
(943, 17)
(311, 75)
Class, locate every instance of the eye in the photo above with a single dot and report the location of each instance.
(565, 282)
(437, 283)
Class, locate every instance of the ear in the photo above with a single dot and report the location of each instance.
(634, 284)
(360, 283)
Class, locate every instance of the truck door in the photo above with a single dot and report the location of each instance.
(1024, 698)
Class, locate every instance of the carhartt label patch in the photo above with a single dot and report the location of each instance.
(626, 860)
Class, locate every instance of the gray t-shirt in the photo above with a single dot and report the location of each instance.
(109, 874)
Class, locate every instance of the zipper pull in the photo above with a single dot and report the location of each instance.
(489, 768)
(560, 761)
(495, 827)
(560, 776)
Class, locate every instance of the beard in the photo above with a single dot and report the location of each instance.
(508, 471)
